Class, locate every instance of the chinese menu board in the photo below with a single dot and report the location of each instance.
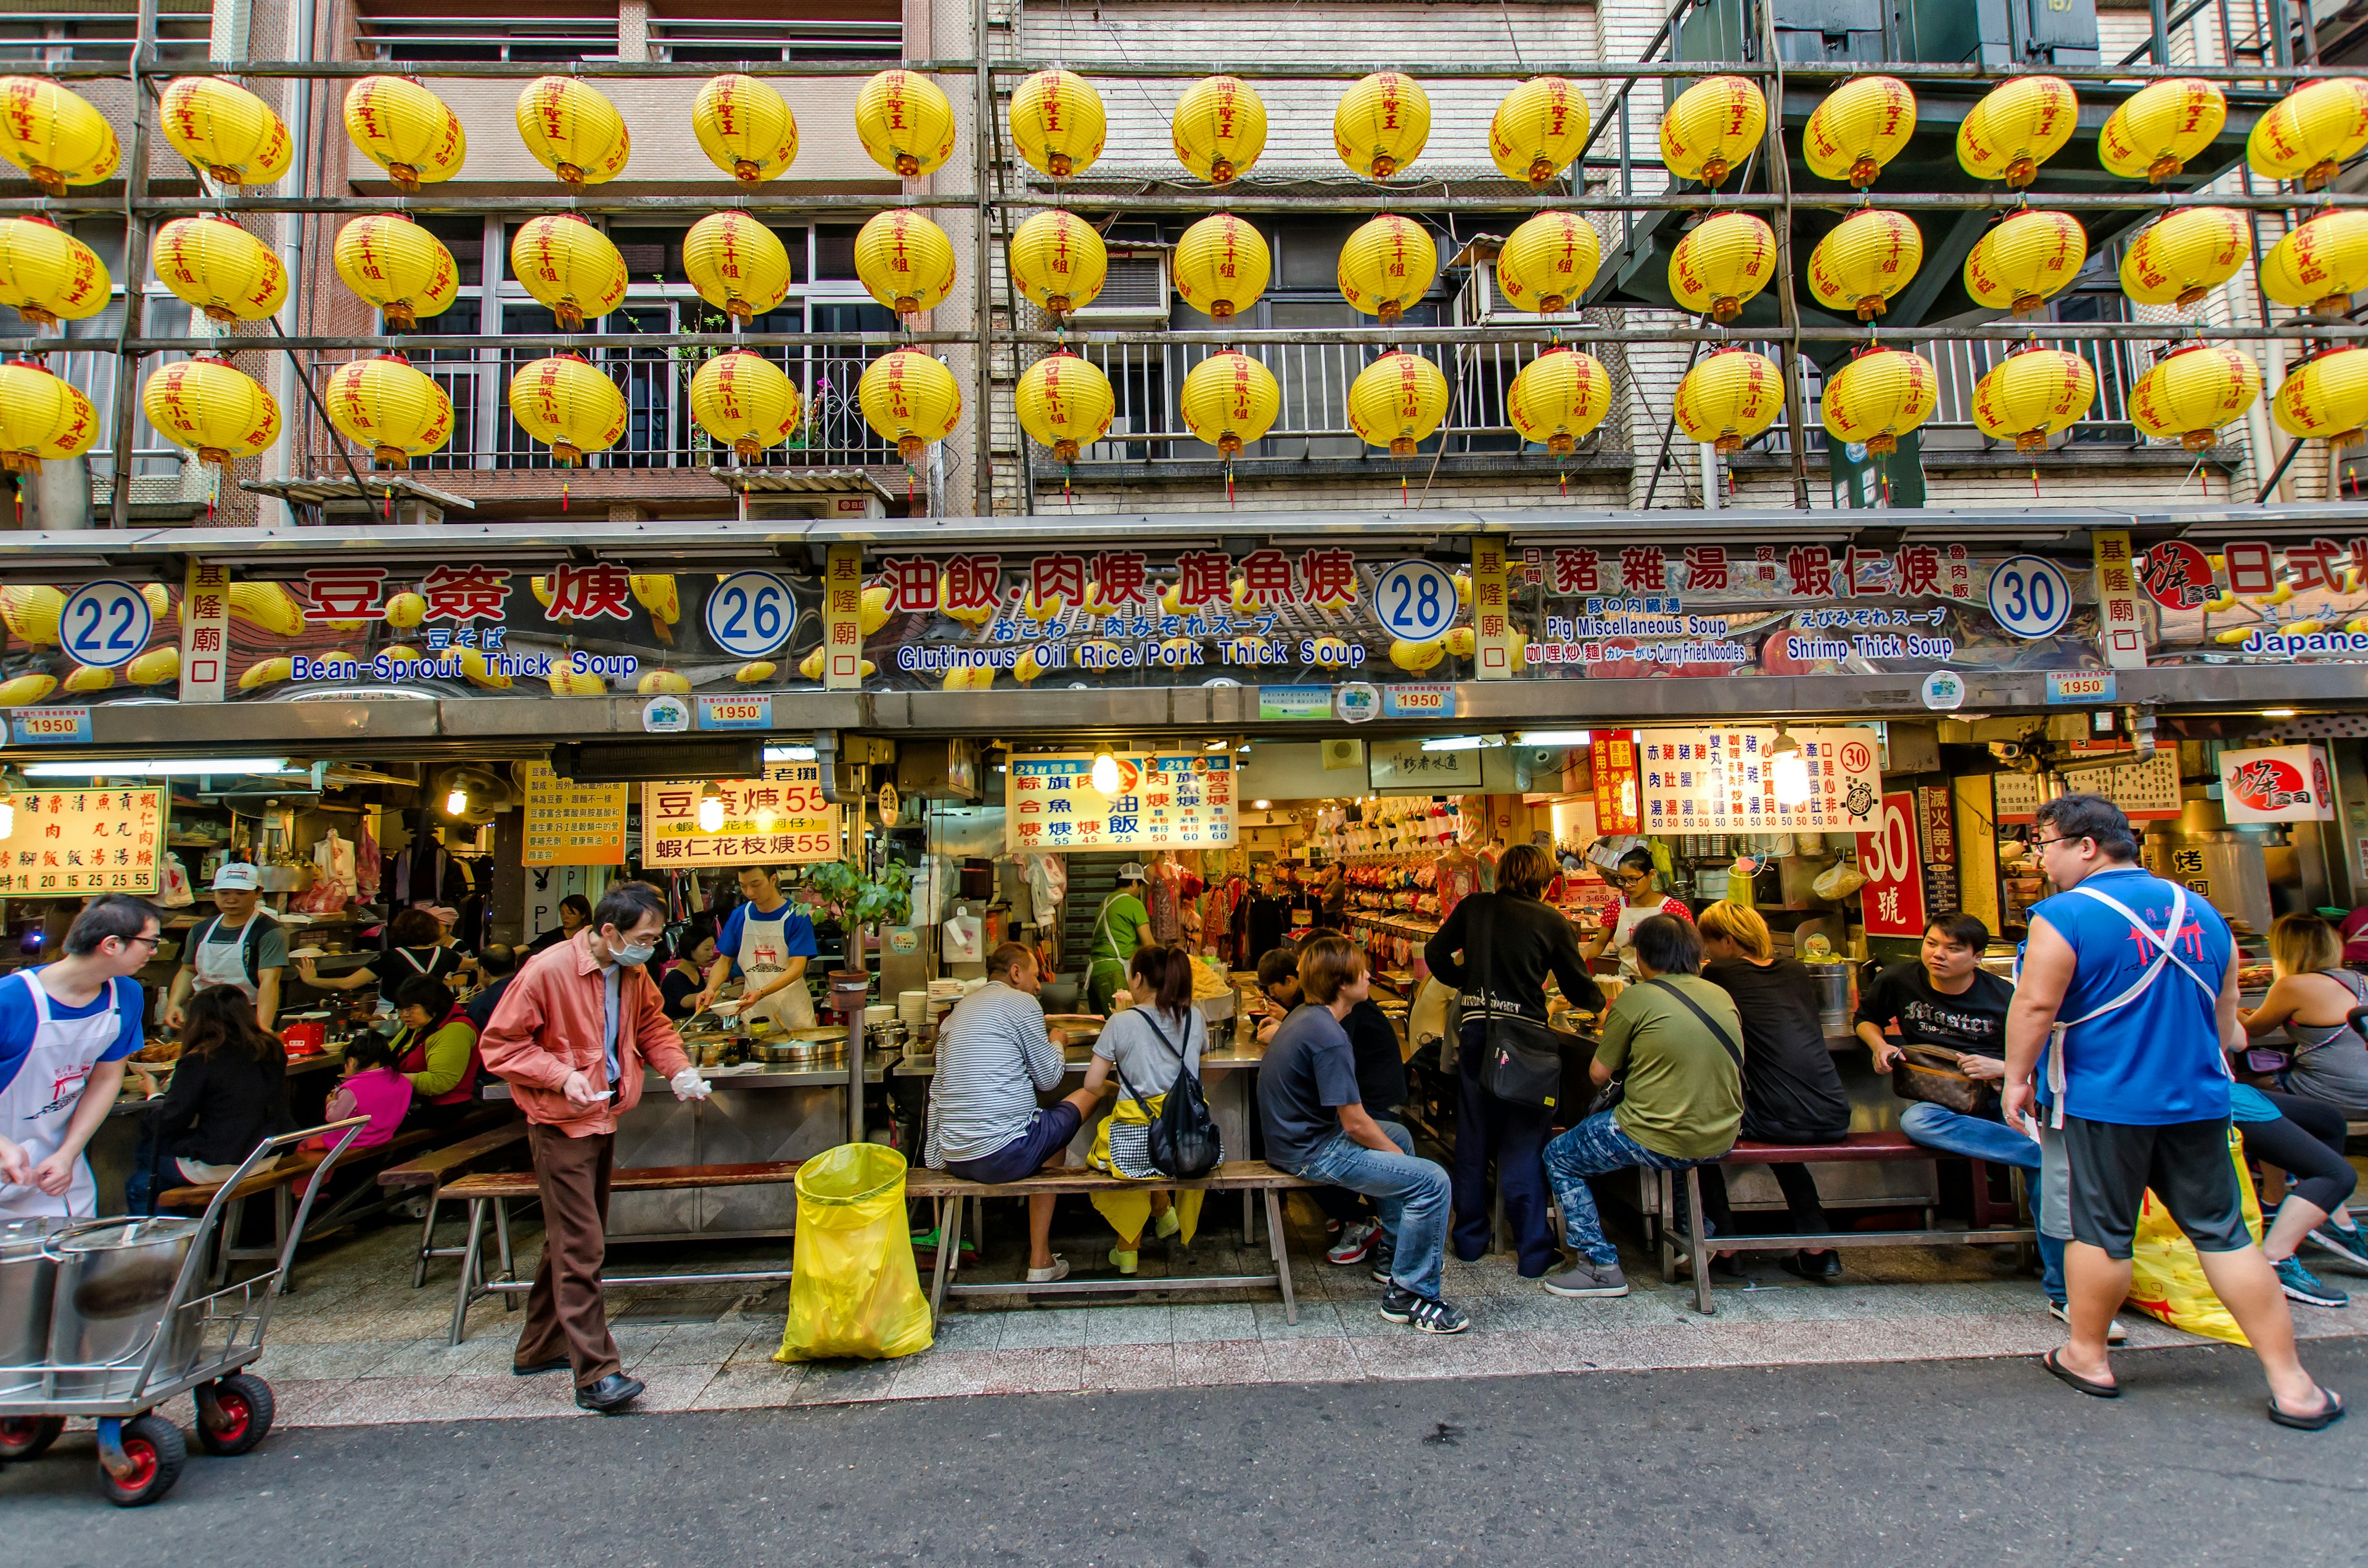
(83, 841)
(1724, 781)
(1183, 801)
(572, 825)
(780, 819)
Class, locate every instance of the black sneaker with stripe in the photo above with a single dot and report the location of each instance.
(1425, 1312)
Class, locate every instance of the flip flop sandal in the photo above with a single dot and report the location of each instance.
(2111, 1390)
(2318, 1423)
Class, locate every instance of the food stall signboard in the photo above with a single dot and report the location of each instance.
(1617, 807)
(2146, 791)
(2018, 795)
(778, 819)
(2277, 784)
(1404, 764)
(569, 824)
(1724, 781)
(1894, 894)
(83, 841)
(2121, 624)
(1181, 800)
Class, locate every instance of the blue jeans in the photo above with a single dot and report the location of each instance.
(1410, 1194)
(1953, 1132)
(1595, 1147)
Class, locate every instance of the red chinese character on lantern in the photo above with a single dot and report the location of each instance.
(590, 593)
(1266, 578)
(1330, 577)
(1643, 570)
(1920, 570)
(973, 582)
(1121, 579)
(1705, 567)
(1056, 577)
(1811, 567)
(2316, 565)
(343, 592)
(912, 585)
(2251, 568)
(465, 593)
(1202, 577)
(1577, 571)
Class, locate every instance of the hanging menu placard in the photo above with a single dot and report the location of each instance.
(1163, 801)
(780, 819)
(572, 825)
(1724, 781)
(83, 841)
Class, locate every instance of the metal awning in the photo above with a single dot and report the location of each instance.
(374, 490)
(803, 482)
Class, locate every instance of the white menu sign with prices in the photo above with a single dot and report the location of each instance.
(780, 819)
(71, 842)
(1180, 802)
(1724, 781)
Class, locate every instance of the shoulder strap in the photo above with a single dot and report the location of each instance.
(1709, 1023)
(2161, 940)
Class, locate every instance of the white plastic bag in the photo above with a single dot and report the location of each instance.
(966, 939)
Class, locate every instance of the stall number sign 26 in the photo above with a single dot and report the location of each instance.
(750, 614)
(2031, 597)
(105, 625)
(1415, 600)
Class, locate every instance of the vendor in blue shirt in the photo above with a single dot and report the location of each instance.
(65, 1030)
(768, 940)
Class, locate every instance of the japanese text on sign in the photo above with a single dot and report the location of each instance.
(83, 841)
(572, 825)
(780, 819)
(1162, 802)
(1725, 781)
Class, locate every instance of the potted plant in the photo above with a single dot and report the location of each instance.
(842, 891)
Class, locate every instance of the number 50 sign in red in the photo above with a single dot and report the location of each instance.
(1894, 894)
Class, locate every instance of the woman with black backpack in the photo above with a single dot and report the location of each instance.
(1153, 1049)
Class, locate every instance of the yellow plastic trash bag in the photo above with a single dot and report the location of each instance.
(2166, 1278)
(853, 1288)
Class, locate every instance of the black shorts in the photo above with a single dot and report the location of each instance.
(2187, 1166)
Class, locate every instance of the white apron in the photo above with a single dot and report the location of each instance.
(221, 964)
(763, 957)
(37, 1106)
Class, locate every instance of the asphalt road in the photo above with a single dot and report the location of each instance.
(1976, 1462)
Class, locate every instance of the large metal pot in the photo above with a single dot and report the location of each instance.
(113, 1280)
(27, 1279)
(1833, 986)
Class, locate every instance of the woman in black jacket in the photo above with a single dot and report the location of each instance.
(1506, 943)
(229, 1093)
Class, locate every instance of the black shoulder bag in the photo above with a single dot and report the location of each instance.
(1181, 1140)
(1523, 1057)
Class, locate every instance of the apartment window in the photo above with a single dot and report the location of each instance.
(57, 38)
(532, 39)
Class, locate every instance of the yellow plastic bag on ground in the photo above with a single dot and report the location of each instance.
(853, 1288)
(2166, 1278)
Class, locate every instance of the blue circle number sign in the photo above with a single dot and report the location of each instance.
(1415, 600)
(2031, 597)
(750, 614)
(105, 625)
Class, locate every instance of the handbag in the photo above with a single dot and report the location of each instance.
(1182, 1140)
(1522, 1060)
(1931, 1074)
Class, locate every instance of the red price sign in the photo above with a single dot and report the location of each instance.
(1894, 894)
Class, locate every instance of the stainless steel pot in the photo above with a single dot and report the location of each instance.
(27, 1280)
(113, 1281)
(1832, 982)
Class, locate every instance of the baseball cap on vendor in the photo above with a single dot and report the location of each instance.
(1131, 872)
(236, 875)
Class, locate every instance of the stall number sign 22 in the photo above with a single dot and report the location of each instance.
(1416, 600)
(105, 625)
(750, 614)
(2029, 598)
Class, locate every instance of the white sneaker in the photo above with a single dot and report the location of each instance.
(1060, 1270)
(2114, 1332)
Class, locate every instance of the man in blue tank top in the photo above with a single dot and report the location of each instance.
(2125, 1001)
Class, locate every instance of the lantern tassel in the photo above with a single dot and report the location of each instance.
(1402, 499)
(1229, 487)
(1561, 480)
(2352, 473)
(563, 493)
(2034, 483)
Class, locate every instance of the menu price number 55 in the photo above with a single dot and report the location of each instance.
(105, 625)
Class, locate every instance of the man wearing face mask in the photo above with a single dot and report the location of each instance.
(570, 1036)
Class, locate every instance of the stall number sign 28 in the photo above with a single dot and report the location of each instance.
(105, 625)
(750, 614)
(2031, 597)
(1415, 600)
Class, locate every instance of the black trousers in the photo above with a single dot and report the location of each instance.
(1514, 1136)
(2306, 1142)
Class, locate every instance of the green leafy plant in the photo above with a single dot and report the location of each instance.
(842, 890)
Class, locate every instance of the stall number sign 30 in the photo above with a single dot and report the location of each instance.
(2031, 597)
(1416, 599)
(105, 625)
(750, 614)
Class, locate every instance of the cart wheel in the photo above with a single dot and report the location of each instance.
(154, 1446)
(246, 1402)
(23, 1437)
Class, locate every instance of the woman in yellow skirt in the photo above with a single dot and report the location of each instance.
(1144, 1047)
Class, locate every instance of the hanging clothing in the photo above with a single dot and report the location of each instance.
(1458, 877)
(435, 878)
(367, 864)
(48, 1052)
(1048, 886)
(1166, 922)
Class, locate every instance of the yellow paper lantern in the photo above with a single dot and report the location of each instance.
(1397, 401)
(569, 267)
(1713, 127)
(745, 128)
(2162, 125)
(2185, 255)
(744, 401)
(211, 408)
(1058, 262)
(1228, 400)
(1539, 128)
(47, 273)
(1879, 397)
(568, 405)
(904, 122)
(1864, 260)
(1860, 126)
(2324, 398)
(1387, 266)
(909, 398)
(574, 130)
(1381, 124)
(1721, 264)
(220, 268)
(1219, 128)
(405, 130)
(2321, 265)
(2018, 126)
(398, 267)
(1558, 397)
(55, 134)
(2025, 261)
(1058, 123)
(2029, 396)
(1064, 403)
(737, 263)
(2191, 392)
(390, 406)
(1548, 261)
(904, 260)
(224, 130)
(2310, 132)
(1728, 398)
(41, 417)
(1221, 266)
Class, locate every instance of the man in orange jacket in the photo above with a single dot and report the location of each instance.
(570, 1036)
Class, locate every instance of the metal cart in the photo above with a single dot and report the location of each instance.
(97, 1318)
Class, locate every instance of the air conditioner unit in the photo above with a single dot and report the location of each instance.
(1135, 293)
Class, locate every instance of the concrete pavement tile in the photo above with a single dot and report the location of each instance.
(845, 1383)
(1208, 1363)
(700, 1345)
(478, 1398)
(1130, 1325)
(960, 1330)
(671, 1388)
(753, 1386)
(938, 1374)
(437, 1357)
(331, 1362)
(1129, 1367)
(294, 1400)
(1041, 1328)
(378, 1402)
(1414, 1355)
(1317, 1320)
(1215, 1321)
(1312, 1361)
(1041, 1369)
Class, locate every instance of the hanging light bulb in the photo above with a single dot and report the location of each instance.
(1789, 771)
(710, 808)
(1105, 774)
(456, 800)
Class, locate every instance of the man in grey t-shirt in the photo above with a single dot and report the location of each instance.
(244, 946)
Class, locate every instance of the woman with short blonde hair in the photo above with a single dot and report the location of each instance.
(2313, 999)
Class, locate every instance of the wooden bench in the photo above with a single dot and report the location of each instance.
(1246, 1177)
(432, 1170)
(280, 1182)
(1889, 1144)
(500, 1189)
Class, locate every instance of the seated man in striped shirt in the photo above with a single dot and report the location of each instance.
(995, 1057)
